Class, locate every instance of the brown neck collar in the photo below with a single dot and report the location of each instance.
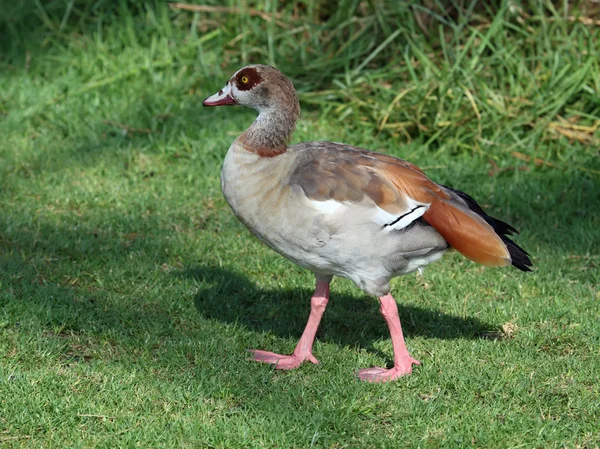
(270, 133)
(265, 152)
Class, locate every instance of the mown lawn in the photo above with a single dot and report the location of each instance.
(129, 293)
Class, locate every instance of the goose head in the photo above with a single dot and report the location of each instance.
(259, 87)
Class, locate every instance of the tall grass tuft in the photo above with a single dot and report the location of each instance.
(455, 76)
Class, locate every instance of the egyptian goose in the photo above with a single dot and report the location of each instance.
(339, 210)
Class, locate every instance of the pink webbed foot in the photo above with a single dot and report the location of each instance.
(377, 374)
(284, 362)
(403, 362)
(303, 349)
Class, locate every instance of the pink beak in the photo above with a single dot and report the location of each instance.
(221, 98)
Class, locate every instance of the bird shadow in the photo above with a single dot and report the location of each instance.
(349, 320)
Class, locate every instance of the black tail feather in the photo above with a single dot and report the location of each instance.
(520, 258)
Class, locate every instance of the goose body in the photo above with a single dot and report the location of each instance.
(338, 210)
(327, 237)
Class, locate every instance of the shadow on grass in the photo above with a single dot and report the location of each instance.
(349, 320)
(40, 293)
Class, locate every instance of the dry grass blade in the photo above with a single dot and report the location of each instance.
(580, 19)
(391, 106)
(225, 9)
(536, 160)
(584, 20)
(581, 133)
(475, 109)
(90, 415)
(18, 437)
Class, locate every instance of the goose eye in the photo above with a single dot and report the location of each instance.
(245, 79)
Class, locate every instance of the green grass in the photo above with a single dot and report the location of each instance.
(129, 292)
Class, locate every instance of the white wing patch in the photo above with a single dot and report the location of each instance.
(372, 212)
(396, 222)
(327, 207)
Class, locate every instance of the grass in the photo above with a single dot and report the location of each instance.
(129, 292)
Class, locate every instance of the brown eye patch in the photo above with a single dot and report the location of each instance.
(247, 78)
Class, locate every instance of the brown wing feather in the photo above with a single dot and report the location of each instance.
(338, 172)
(463, 229)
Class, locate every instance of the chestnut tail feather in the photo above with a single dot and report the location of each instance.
(520, 258)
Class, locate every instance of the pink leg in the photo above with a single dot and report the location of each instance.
(403, 362)
(303, 350)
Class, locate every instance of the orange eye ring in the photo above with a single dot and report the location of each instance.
(245, 80)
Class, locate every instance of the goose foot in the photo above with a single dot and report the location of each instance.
(284, 362)
(377, 374)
